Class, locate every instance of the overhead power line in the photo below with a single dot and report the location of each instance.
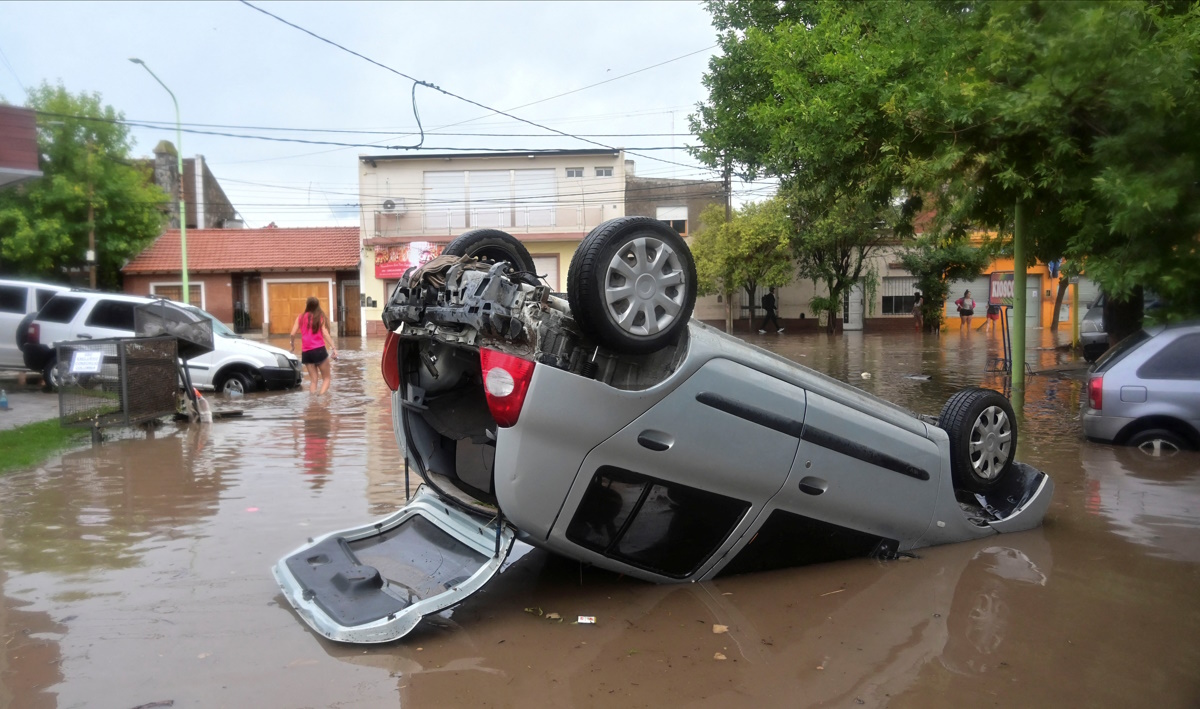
(451, 94)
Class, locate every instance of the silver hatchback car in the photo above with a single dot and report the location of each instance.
(1145, 391)
(611, 428)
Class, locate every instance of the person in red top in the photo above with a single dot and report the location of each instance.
(313, 327)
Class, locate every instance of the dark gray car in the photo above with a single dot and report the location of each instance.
(1145, 391)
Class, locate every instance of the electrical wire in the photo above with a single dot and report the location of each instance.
(451, 94)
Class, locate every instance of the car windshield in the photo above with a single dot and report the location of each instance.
(1118, 351)
(218, 326)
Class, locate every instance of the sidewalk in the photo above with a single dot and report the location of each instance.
(26, 404)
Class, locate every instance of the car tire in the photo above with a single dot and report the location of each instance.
(1159, 442)
(51, 377)
(492, 245)
(235, 383)
(632, 285)
(983, 438)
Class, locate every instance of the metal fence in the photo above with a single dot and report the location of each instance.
(117, 382)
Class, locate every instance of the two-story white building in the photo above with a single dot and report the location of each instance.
(414, 205)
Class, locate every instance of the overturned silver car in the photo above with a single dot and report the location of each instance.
(610, 427)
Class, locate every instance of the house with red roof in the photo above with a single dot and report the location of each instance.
(257, 279)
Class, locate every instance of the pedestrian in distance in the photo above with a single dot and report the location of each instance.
(966, 309)
(993, 316)
(768, 304)
(313, 327)
(918, 316)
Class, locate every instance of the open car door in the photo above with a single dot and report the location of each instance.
(374, 583)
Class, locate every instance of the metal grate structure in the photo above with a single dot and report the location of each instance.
(117, 382)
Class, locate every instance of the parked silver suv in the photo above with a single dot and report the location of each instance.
(611, 428)
(1145, 391)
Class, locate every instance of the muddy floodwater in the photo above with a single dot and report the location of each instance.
(138, 572)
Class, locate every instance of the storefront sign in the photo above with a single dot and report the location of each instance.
(392, 261)
(1001, 289)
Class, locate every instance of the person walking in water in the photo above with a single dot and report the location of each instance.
(313, 327)
(966, 309)
(918, 316)
(768, 304)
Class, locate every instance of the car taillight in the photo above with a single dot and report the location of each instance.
(391, 361)
(34, 334)
(505, 383)
(1096, 392)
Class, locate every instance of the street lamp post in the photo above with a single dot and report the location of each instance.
(179, 157)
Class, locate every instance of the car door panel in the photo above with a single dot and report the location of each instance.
(721, 446)
(862, 473)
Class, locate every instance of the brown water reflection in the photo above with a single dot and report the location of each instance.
(138, 572)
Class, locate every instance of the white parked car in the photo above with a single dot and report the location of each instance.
(235, 364)
(19, 299)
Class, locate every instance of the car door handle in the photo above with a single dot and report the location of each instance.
(84, 337)
(655, 440)
(813, 486)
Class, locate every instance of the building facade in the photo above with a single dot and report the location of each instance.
(414, 205)
(257, 280)
(205, 203)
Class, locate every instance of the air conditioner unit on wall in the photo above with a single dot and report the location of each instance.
(393, 205)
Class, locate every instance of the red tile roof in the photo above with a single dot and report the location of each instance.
(234, 250)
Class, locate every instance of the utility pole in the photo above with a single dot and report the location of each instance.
(186, 295)
(91, 252)
(728, 180)
(1018, 326)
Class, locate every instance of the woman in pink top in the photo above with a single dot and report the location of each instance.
(313, 327)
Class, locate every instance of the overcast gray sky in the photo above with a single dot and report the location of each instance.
(231, 65)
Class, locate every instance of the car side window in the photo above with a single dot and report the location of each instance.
(112, 314)
(60, 309)
(12, 299)
(1178, 360)
(44, 296)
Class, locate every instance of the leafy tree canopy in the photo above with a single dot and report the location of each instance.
(44, 223)
(1085, 111)
(750, 251)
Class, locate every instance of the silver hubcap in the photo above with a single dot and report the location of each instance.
(644, 287)
(1158, 448)
(234, 386)
(991, 442)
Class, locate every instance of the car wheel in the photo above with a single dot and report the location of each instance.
(983, 438)
(235, 384)
(51, 377)
(492, 245)
(632, 285)
(1159, 442)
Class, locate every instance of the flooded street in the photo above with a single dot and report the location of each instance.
(139, 572)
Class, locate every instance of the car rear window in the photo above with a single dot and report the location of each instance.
(44, 296)
(1178, 360)
(60, 308)
(112, 314)
(12, 299)
(1118, 352)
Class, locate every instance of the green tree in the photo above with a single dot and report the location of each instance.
(84, 158)
(833, 243)
(935, 261)
(750, 251)
(1086, 112)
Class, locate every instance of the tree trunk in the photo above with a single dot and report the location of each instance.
(1062, 291)
(1123, 318)
(751, 290)
(729, 312)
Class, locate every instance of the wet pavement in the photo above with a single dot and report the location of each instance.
(138, 572)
